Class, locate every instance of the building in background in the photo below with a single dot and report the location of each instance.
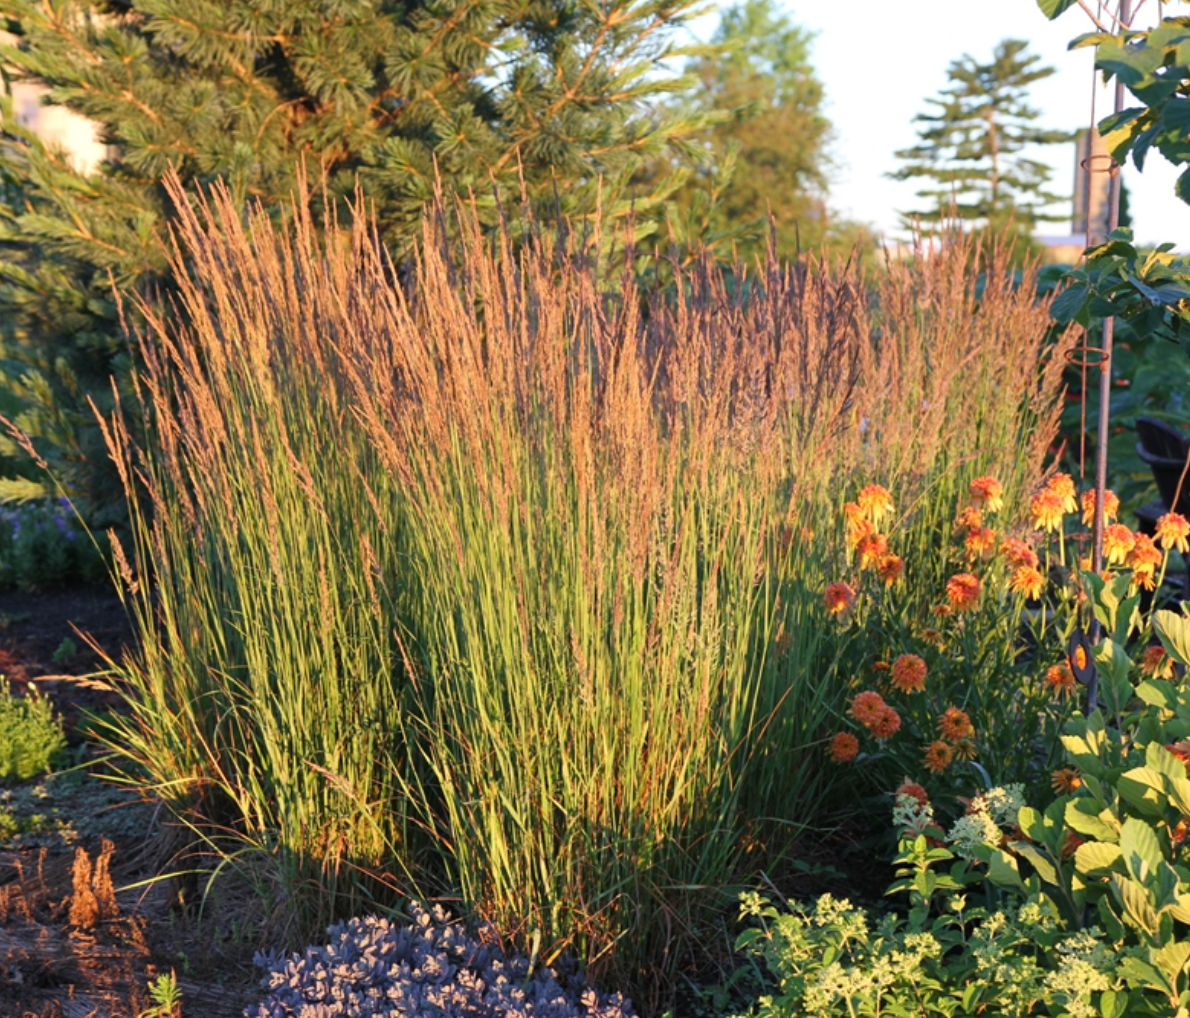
(1092, 190)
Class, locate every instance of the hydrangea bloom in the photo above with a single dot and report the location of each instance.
(429, 969)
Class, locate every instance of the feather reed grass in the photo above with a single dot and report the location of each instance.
(505, 582)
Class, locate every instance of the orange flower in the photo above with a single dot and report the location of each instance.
(880, 666)
(987, 493)
(1156, 663)
(980, 543)
(875, 502)
(1117, 543)
(867, 706)
(1028, 581)
(857, 527)
(839, 598)
(954, 725)
(933, 636)
(938, 756)
(912, 788)
(962, 590)
(968, 518)
(964, 749)
(1143, 560)
(1046, 510)
(1062, 485)
(1060, 678)
(1111, 506)
(872, 549)
(891, 568)
(1018, 553)
(1065, 780)
(844, 747)
(886, 725)
(909, 673)
(1173, 531)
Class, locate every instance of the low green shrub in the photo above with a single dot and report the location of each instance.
(42, 545)
(30, 735)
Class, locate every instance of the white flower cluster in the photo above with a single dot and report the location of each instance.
(997, 807)
(1084, 969)
(911, 815)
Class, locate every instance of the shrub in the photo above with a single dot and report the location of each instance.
(372, 969)
(42, 545)
(30, 735)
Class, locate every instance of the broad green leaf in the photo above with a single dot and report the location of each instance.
(1053, 8)
(1158, 693)
(1003, 871)
(1096, 859)
(1176, 115)
(1178, 789)
(1172, 629)
(1181, 910)
(1043, 866)
(1172, 958)
(1068, 304)
(1160, 759)
(1134, 898)
(1144, 789)
(1141, 973)
(1029, 821)
(1082, 818)
(1182, 186)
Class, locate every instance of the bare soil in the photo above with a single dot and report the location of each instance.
(79, 944)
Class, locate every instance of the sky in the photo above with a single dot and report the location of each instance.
(879, 61)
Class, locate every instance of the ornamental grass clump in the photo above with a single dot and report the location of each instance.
(492, 576)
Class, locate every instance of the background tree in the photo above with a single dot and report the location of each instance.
(971, 152)
(766, 146)
(491, 96)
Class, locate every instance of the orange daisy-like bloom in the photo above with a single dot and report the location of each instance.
(1117, 543)
(1143, 560)
(968, 518)
(871, 549)
(1062, 485)
(1046, 510)
(839, 598)
(1060, 679)
(1173, 531)
(1066, 780)
(867, 706)
(844, 747)
(880, 666)
(891, 568)
(987, 493)
(875, 502)
(912, 788)
(980, 543)
(886, 725)
(954, 725)
(964, 749)
(962, 591)
(1111, 506)
(857, 527)
(1028, 581)
(909, 673)
(1018, 553)
(938, 756)
(933, 636)
(1156, 663)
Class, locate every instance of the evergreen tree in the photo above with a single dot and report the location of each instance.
(767, 149)
(972, 143)
(557, 98)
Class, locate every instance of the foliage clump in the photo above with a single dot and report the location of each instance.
(41, 546)
(30, 736)
(431, 967)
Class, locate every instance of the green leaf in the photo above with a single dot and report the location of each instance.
(1182, 186)
(1029, 821)
(1160, 759)
(1097, 859)
(1171, 959)
(1003, 871)
(1043, 866)
(1141, 850)
(1172, 629)
(1067, 305)
(1082, 818)
(1141, 974)
(1157, 693)
(1054, 8)
(1144, 789)
(1135, 899)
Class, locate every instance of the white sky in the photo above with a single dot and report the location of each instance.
(879, 61)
